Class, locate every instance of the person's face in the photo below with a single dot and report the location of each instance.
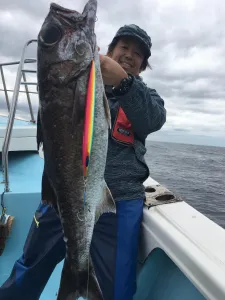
(129, 54)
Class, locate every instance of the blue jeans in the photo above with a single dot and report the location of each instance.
(114, 251)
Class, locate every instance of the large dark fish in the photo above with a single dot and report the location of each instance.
(66, 49)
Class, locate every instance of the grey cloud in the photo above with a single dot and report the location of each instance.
(181, 130)
(13, 43)
(211, 111)
(21, 105)
(22, 108)
(186, 87)
(175, 31)
(36, 9)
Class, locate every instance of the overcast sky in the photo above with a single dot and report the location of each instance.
(188, 55)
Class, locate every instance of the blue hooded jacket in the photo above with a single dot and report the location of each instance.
(134, 116)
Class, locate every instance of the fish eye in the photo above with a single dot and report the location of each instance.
(50, 35)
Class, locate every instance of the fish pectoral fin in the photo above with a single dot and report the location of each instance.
(107, 110)
(47, 192)
(39, 136)
(107, 203)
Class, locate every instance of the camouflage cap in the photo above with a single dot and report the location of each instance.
(135, 31)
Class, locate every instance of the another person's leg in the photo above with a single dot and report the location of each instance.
(129, 214)
(103, 253)
(43, 250)
(114, 253)
(114, 250)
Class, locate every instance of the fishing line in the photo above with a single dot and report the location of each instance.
(88, 266)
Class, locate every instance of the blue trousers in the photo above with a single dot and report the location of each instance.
(114, 251)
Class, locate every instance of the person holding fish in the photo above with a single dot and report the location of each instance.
(136, 111)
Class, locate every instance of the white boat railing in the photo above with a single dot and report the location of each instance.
(192, 241)
(12, 108)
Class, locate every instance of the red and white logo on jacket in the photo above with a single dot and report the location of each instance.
(122, 129)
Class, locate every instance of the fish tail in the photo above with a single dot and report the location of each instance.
(79, 284)
(93, 290)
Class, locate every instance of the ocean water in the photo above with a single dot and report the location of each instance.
(196, 173)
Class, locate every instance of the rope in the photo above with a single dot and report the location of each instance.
(3, 207)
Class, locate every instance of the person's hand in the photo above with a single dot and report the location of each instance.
(112, 72)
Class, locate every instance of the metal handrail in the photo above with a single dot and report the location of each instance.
(4, 86)
(26, 61)
(12, 112)
(28, 98)
(30, 92)
(5, 90)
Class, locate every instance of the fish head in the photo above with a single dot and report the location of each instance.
(67, 42)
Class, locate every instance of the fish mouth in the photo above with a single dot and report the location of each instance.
(68, 16)
(62, 9)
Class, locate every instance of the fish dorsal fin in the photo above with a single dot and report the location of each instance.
(107, 110)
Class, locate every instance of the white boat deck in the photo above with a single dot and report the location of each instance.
(23, 135)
